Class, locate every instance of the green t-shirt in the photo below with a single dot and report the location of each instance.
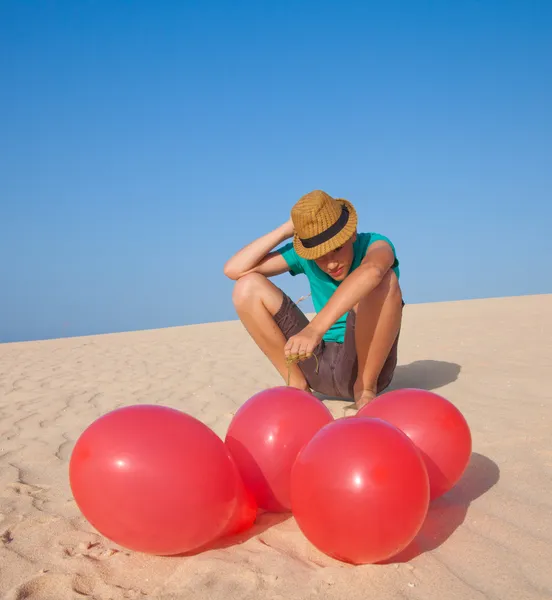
(322, 285)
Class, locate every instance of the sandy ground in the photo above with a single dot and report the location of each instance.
(490, 537)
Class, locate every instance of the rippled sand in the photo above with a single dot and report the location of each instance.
(490, 537)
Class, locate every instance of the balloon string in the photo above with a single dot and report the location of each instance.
(295, 358)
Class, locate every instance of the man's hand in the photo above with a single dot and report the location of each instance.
(303, 344)
(289, 228)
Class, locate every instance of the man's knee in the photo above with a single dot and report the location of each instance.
(256, 288)
(393, 287)
(247, 288)
(388, 288)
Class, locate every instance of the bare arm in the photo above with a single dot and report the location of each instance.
(258, 256)
(369, 274)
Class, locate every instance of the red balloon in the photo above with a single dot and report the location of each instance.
(435, 425)
(359, 490)
(265, 436)
(154, 479)
(245, 513)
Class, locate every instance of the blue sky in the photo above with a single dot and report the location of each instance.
(142, 143)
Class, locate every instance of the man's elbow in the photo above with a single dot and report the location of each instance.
(231, 272)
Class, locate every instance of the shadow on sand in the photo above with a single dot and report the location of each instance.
(444, 517)
(264, 521)
(448, 512)
(425, 375)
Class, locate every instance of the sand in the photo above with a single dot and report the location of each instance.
(490, 537)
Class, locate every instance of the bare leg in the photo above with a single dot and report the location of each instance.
(257, 300)
(378, 319)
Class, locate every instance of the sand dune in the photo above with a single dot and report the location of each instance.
(490, 537)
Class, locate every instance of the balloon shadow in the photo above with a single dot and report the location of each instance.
(264, 521)
(448, 512)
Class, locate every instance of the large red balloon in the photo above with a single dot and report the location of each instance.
(436, 427)
(154, 479)
(359, 490)
(265, 436)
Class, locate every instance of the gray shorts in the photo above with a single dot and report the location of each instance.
(337, 363)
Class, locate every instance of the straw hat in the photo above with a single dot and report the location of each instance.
(322, 224)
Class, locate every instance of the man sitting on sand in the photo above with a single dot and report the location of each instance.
(349, 349)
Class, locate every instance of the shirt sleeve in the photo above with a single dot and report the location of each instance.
(293, 260)
(376, 237)
(367, 239)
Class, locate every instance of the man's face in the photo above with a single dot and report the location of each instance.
(337, 263)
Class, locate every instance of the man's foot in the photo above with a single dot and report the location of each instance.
(302, 388)
(364, 397)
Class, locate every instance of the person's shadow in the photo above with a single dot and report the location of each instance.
(448, 512)
(425, 375)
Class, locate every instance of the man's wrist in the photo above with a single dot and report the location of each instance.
(317, 325)
(286, 229)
